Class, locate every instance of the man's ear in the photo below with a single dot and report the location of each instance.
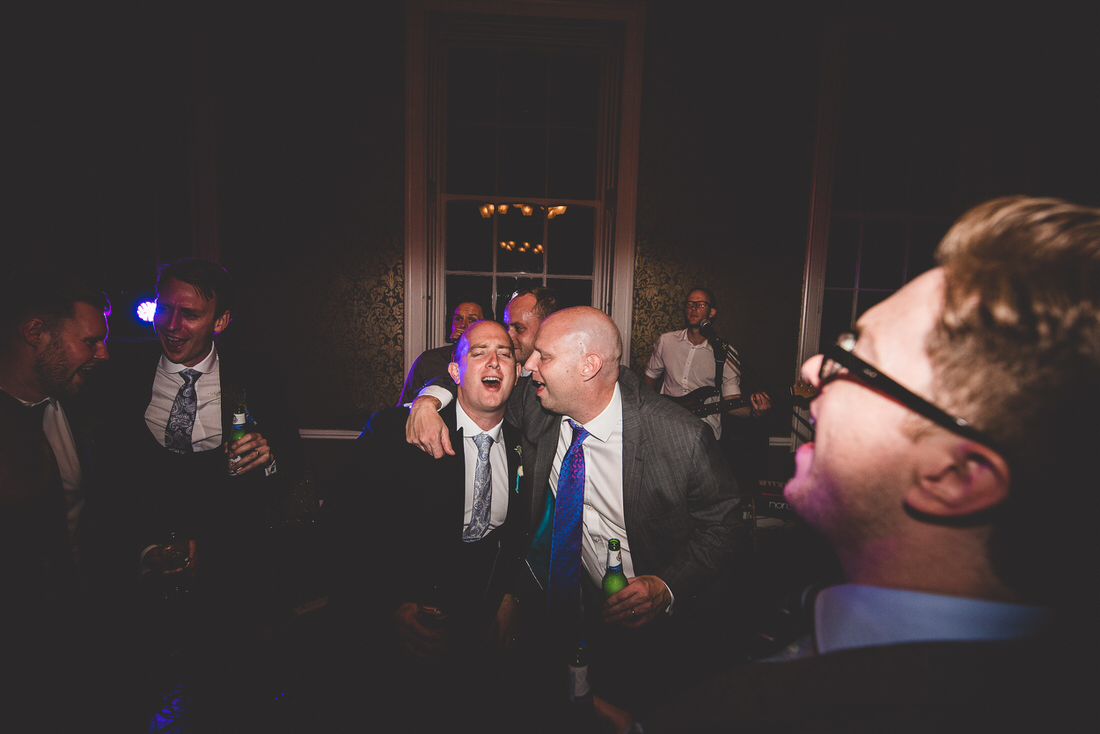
(591, 365)
(712, 313)
(452, 370)
(222, 322)
(958, 478)
(35, 333)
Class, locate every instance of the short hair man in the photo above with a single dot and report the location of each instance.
(54, 333)
(433, 363)
(62, 651)
(686, 364)
(523, 314)
(684, 361)
(450, 540)
(653, 478)
(173, 401)
(946, 426)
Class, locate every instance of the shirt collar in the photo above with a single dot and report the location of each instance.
(470, 429)
(850, 615)
(49, 398)
(208, 364)
(603, 425)
(683, 336)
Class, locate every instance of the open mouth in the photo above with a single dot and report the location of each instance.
(493, 383)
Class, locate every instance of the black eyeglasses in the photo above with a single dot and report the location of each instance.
(696, 304)
(838, 358)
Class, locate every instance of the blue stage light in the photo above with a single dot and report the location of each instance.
(146, 310)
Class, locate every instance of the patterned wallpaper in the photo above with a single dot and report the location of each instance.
(356, 346)
(661, 275)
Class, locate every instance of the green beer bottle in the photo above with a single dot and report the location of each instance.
(240, 428)
(613, 578)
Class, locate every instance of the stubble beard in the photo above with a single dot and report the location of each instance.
(54, 375)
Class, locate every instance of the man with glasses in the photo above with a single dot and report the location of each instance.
(951, 426)
(685, 361)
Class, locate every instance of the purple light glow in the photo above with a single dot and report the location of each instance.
(146, 310)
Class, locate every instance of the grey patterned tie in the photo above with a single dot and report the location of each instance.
(181, 421)
(483, 491)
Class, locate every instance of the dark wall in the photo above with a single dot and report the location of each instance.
(728, 113)
(308, 121)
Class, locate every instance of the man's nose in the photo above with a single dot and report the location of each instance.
(529, 365)
(101, 351)
(811, 370)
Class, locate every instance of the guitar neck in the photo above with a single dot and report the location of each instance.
(800, 394)
(704, 409)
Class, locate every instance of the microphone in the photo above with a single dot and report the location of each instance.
(707, 329)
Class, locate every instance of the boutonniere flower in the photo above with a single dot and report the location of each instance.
(519, 471)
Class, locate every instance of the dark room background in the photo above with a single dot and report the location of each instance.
(271, 136)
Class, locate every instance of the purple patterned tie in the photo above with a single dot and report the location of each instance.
(565, 543)
(181, 421)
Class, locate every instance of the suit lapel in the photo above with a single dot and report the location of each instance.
(453, 475)
(232, 388)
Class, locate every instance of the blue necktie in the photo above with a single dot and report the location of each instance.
(483, 491)
(565, 544)
(181, 421)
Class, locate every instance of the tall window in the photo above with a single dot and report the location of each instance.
(521, 156)
(885, 180)
(519, 191)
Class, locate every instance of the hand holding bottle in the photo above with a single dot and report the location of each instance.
(419, 630)
(639, 603)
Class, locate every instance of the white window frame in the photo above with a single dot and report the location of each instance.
(613, 285)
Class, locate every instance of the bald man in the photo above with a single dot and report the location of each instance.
(654, 478)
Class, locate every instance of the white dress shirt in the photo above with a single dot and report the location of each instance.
(498, 465)
(207, 432)
(603, 487)
(687, 367)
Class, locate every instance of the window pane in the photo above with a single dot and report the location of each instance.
(471, 154)
(522, 162)
(519, 239)
(883, 254)
(570, 240)
(469, 237)
(836, 315)
(571, 292)
(924, 238)
(523, 85)
(840, 262)
(572, 163)
(867, 299)
(471, 85)
(476, 287)
(574, 81)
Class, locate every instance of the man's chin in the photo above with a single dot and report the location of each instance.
(803, 460)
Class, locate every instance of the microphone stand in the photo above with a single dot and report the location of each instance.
(706, 328)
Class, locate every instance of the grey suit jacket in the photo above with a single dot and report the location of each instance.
(679, 496)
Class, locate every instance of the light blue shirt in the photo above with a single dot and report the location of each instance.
(850, 616)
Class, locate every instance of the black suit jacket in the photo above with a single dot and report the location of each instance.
(679, 496)
(154, 491)
(37, 575)
(1039, 684)
(399, 525)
